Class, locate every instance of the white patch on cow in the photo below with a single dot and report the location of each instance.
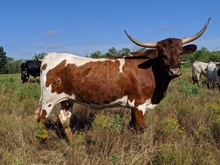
(131, 104)
(64, 117)
(122, 62)
(146, 106)
(51, 99)
(55, 58)
(79, 61)
(131, 55)
(122, 101)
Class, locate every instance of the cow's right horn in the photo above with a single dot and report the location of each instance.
(192, 38)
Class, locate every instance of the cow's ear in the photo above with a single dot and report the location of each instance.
(188, 49)
(151, 53)
(147, 64)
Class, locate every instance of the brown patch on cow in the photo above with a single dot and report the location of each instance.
(44, 66)
(101, 82)
(56, 82)
(94, 77)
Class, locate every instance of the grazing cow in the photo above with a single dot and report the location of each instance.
(138, 82)
(198, 69)
(28, 68)
(212, 75)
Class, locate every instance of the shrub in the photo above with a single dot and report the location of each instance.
(189, 89)
(117, 122)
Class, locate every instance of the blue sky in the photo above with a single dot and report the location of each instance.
(82, 27)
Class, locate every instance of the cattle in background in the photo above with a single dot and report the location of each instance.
(30, 67)
(138, 82)
(212, 75)
(218, 74)
(198, 69)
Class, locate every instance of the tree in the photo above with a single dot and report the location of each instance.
(3, 61)
(214, 56)
(13, 66)
(39, 56)
(124, 51)
(112, 52)
(96, 54)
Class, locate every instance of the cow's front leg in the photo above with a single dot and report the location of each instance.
(137, 119)
(65, 117)
(40, 116)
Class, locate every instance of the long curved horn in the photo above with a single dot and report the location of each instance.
(192, 38)
(142, 44)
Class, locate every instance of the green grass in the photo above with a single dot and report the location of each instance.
(183, 129)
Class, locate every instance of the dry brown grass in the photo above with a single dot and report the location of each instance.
(183, 129)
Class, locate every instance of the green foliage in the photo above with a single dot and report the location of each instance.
(124, 51)
(117, 122)
(28, 91)
(214, 56)
(78, 140)
(3, 61)
(96, 54)
(189, 89)
(203, 132)
(202, 55)
(8, 83)
(114, 159)
(13, 66)
(112, 52)
(19, 163)
(41, 132)
(100, 121)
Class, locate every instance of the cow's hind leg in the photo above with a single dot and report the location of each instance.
(65, 119)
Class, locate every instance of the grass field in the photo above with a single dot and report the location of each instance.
(184, 129)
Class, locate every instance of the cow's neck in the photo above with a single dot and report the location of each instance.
(162, 81)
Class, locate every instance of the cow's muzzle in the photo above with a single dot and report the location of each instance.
(174, 72)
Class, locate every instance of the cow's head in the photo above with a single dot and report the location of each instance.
(24, 72)
(168, 52)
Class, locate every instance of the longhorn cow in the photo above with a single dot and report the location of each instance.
(138, 82)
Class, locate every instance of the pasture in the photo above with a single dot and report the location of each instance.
(183, 129)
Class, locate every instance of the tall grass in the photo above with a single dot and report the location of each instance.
(183, 129)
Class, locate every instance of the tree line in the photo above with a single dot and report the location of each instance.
(9, 65)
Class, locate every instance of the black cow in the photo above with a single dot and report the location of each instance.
(28, 68)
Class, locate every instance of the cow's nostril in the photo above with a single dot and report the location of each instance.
(174, 72)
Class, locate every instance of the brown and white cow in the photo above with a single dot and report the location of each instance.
(139, 81)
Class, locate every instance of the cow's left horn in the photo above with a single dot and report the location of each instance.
(142, 44)
(192, 38)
